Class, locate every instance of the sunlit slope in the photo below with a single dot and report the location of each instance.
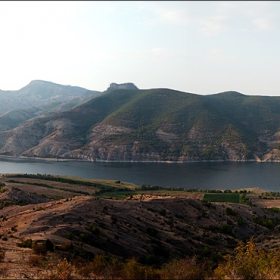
(154, 125)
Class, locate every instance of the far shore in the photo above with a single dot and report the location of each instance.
(128, 161)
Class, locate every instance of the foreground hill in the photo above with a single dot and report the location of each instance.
(152, 227)
(125, 123)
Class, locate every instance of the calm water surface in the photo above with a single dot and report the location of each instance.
(210, 175)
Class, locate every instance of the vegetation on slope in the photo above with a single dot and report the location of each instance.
(155, 125)
(153, 233)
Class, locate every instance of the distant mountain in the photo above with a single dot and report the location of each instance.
(154, 125)
(37, 98)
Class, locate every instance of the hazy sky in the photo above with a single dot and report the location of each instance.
(200, 47)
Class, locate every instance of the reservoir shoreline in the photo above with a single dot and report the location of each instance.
(129, 161)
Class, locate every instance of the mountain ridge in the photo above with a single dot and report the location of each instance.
(165, 125)
(37, 98)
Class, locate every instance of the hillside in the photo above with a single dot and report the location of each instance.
(127, 124)
(153, 226)
(37, 98)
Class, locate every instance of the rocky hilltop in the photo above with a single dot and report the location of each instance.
(114, 86)
(125, 123)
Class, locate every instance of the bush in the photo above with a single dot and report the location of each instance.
(249, 263)
(70, 235)
(37, 260)
(102, 266)
(25, 244)
(49, 245)
(132, 270)
(162, 212)
(39, 248)
(187, 268)
(2, 189)
(231, 212)
(226, 229)
(42, 248)
(64, 270)
(85, 237)
(152, 232)
(94, 229)
(66, 246)
(2, 255)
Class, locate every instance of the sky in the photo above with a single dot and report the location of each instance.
(201, 47)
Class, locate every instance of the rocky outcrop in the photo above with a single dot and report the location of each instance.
(114, 86)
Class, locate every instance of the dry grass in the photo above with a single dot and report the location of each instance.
(159, 225)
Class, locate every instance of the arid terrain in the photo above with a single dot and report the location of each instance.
(154, 226)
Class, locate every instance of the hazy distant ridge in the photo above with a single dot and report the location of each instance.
(37, 98)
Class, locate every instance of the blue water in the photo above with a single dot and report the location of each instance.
(207, 175)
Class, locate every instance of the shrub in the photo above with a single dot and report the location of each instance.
(231, 212)
(187, 268)
(240, 221)
(162, 212)
(152, 232)
(249, 263)
(49, 245)
(85, 237)
(70, 235)
(64, 271)
(226, 229)
(2, 255)
(39, 248)
(66, 246)
(132, 270)
(102, 266)
(94, 229)
(42, 248)
(37, 260)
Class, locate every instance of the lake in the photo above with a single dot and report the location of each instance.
(207, 175)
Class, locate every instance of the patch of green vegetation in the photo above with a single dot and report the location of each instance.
(266, 222)
(52, 196)
(244, 199)
(274, 209)
(271, 194)
(25, 243)
(114, 194)
(231, 212)
(222, 197)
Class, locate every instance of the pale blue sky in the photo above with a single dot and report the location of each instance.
(194, 46)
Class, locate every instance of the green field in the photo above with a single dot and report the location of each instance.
(222, 197)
